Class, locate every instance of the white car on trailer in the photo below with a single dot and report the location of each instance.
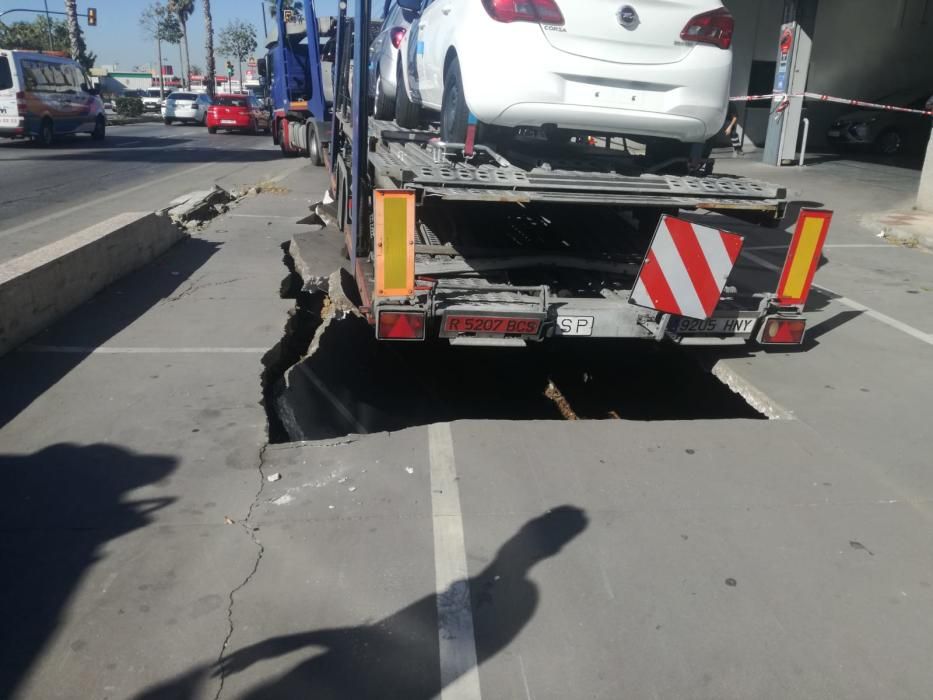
(657, 69)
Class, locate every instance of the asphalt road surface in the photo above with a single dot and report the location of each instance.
(47, 194)
(155, 546)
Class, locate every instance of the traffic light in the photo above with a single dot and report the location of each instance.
(230, 68)
(92, 16)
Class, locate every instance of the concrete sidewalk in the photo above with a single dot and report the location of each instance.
(130, 441)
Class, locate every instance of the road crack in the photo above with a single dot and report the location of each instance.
(260, 551)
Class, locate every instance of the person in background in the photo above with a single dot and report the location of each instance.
(732, 130)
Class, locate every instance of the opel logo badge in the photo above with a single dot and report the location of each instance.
(628, 18)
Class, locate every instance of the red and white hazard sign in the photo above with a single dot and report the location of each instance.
(686, 268)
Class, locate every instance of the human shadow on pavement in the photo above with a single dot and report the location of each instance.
(398, 656)
(61, 507)
(26, 374)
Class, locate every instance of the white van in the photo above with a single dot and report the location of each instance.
(43, 96)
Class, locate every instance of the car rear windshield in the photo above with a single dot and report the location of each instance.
(6, 78)
(227, 101)
(182, 96)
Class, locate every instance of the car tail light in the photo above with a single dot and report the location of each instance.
(782, 331)
(541, 11)
(397, 34)
(713, 27)
(401, 325)
(21, 103)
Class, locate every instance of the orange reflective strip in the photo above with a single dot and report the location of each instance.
(803, 257)
(395, 242)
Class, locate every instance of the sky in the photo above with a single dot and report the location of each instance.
(118, 39)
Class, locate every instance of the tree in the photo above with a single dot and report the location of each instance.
(210, 77)
(76, 38)
(34, 36)
(160, 25)
(238, 40)
(183, 9)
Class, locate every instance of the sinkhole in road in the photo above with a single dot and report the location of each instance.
(347, 383)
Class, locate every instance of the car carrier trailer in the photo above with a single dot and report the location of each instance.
(462, 243)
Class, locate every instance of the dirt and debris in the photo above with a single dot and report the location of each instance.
(273, 477)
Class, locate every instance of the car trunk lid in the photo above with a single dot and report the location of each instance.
(228, 112)
(640, 32)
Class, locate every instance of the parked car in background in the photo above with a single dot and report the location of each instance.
(42, 97)
(383, 60)
(152, 99)
(656, 68)
(888, 133)
(186, 107)
(238, 113)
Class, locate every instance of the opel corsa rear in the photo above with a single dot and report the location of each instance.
(655, 68)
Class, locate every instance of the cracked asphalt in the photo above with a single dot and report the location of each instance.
(146, 555)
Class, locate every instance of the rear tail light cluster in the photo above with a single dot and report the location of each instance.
(783, 331)
(540, 11)
(21, 102)
(713, 27)
(397, 34)
(400, 325)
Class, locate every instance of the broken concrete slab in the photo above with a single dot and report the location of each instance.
(200, 205)
(315, 255)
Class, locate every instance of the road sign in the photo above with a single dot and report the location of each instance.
(686, 268)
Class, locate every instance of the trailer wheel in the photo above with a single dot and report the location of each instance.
(407, 114)
(314, 145)
(383, 107)
(454, 110)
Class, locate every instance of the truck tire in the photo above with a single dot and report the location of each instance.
(383, 107)
(407, 114)
(454, 110)
(287, 151)
(314, 146)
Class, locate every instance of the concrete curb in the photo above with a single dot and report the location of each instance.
(40, 287)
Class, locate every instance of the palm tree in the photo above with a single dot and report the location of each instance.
(209, 48)
(183, 9)
(78, 48)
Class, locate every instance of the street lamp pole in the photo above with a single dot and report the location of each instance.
(48, 24)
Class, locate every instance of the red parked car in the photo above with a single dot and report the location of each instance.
(237, 112)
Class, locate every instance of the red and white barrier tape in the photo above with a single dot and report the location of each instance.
(785, 100)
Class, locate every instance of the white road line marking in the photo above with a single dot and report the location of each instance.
(106, 198)
(333, 400)
(110, 350)
(456, 640)
(852, 304)
(521, 666)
